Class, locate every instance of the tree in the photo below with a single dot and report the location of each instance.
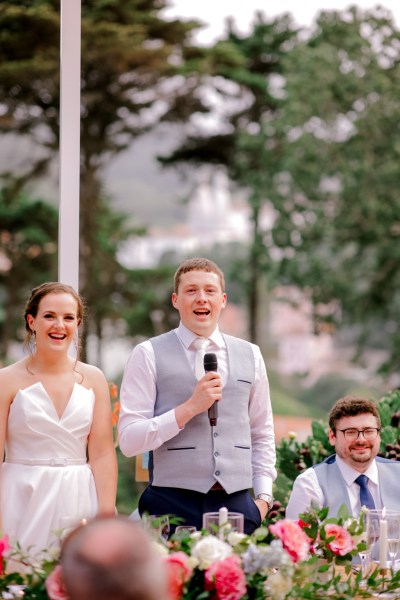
(341, 175)
(248, 143)
(28, 255)
(322, 151)
(131, 65)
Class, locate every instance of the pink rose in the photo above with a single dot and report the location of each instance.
(226, 577)
(342, 542)
(178, 573)
(4, 547)
(294, 540)
(55, 586)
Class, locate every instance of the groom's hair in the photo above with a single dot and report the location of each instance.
(112, 558)
(198, 264)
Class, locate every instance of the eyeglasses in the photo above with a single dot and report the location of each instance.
(369, 433)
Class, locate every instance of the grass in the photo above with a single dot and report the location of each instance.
(285, 401)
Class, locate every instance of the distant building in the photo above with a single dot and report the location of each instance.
(212, 218)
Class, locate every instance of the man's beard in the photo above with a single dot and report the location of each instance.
(356, 457)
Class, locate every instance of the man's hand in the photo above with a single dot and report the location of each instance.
(263, 507)
(207, 391)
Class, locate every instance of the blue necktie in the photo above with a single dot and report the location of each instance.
(366, 498)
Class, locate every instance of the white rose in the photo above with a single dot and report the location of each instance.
(210, 549)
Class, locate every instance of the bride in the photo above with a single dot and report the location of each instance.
(55, 428)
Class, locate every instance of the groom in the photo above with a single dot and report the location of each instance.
(195, 467)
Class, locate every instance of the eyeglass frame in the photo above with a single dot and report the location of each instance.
(359, 431)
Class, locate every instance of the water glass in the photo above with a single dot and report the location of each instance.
(234, 522)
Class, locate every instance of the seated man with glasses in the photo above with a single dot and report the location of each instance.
(354, 475)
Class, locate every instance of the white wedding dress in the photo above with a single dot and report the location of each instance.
(47, 484)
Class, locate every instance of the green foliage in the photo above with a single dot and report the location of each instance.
(315, 522)
(28, 237)
(339, 186)
(129, 54)
(251, 151)
(317, 143)
(309, 127)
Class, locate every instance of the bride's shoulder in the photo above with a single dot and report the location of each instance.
(92, 376)
(12, 378)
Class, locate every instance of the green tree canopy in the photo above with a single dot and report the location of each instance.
(341, 171)
(318, 143)
(133, 71)
(28, 255)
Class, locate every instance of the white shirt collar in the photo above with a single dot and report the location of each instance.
(350, 474)
(187, 336)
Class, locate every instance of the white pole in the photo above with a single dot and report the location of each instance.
(70, 85)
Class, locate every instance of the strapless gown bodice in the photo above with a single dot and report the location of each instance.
(35, 431)
(47, 484)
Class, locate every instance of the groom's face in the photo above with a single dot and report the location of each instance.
(199, 300)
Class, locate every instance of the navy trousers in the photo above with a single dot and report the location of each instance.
(189, 505)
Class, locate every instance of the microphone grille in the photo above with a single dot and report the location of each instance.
(210, 362)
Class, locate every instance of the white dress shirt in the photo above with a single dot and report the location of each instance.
(140, 431)
(307, 491)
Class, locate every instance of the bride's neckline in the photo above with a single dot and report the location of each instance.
(41, 385)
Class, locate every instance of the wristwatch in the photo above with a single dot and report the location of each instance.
(268, 498)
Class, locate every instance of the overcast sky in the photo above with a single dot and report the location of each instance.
(214, 12)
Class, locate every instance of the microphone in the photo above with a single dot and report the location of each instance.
(211, 364)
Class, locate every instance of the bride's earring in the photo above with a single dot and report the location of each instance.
(76, 345)
(32, 341)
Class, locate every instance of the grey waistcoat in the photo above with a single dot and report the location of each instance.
(200, 455)
(334, 487)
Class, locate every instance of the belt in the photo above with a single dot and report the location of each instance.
(49, 462)
(216, 487)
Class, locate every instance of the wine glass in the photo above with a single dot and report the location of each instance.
(185, 528)
(393, 538)
(371, 537)
(184, 531)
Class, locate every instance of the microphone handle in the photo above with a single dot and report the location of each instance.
(211, 364)
(213, 414)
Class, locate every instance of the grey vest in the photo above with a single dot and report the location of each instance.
(199, 455)
(334, 487)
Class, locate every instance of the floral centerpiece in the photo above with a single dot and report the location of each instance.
(285, 560)
(23, 576)
(282, 560)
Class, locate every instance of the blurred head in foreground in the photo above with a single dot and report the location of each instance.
(112, 558)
